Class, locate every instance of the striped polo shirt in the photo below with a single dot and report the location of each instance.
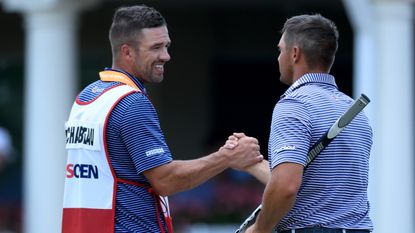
(135, 144)
(333, 192)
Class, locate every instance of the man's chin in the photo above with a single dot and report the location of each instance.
(157, 79)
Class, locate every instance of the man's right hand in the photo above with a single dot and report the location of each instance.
(242, 151)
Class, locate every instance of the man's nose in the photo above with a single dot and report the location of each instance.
(165, 56)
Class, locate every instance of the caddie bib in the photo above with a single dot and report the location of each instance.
(91, 183)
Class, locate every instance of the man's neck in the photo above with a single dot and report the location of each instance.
(301, 71)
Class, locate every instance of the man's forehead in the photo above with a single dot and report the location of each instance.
(281, 42)
(155, 35)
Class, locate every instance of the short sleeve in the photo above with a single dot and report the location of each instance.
(290, 133)
(142, 135)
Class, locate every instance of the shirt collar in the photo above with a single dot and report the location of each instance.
(322, 78)
(132, 77)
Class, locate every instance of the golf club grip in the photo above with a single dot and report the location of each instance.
(359, 104)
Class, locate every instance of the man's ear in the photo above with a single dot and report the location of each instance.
(126, 52)
(296, 54)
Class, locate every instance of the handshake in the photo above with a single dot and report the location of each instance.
(242, 152)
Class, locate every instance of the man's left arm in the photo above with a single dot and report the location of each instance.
(279, 196)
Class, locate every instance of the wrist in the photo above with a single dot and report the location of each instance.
(223, 157)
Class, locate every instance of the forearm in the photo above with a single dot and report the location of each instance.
(260, 171)
(181, 175)
(279, 196)
(275, 205)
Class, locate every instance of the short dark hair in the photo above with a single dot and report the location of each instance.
(128, 22)
(316, 35)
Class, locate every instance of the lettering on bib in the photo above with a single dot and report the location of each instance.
(87, 171)
(83, 135)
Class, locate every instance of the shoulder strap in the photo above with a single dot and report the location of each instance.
(113, 76)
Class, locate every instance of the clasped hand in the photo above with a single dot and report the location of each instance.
(243, 151)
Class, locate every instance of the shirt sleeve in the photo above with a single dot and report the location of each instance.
(290, 133)
(142, 135)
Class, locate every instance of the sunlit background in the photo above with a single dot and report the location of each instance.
(223, 77)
